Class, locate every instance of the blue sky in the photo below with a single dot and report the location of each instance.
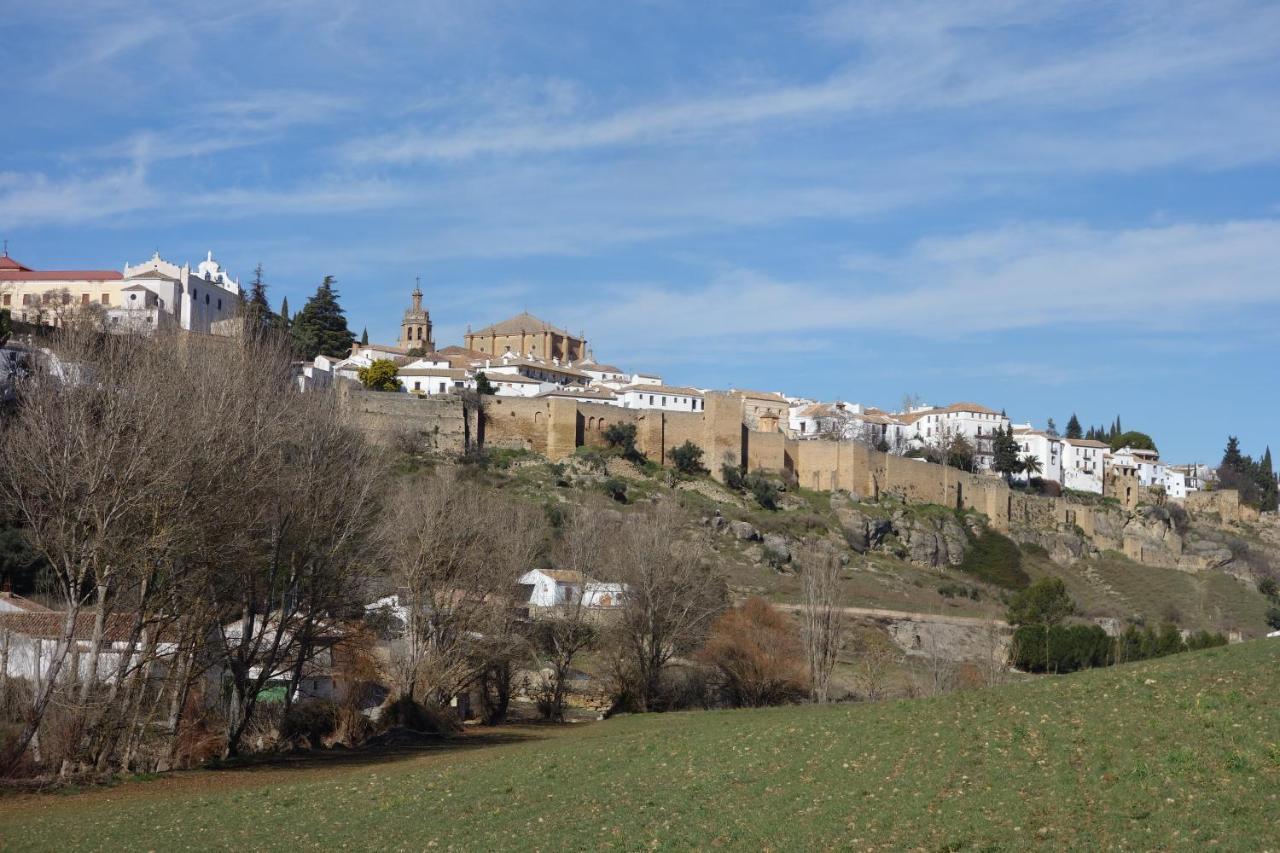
(1047, 207)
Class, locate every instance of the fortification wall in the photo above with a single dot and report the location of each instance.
(1224, 503)
(423, 423)
(517, 423)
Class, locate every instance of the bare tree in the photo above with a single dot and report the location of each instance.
(671, 597)
(454, 551)
(822, 625)
(875, 658)
(568, 630)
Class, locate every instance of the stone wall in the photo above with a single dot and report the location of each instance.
(424, 423)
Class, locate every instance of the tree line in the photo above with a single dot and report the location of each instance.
(1254, 479)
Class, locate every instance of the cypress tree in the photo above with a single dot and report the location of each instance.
(1073, 427)
(321, 327)
(285, 320)
(364, 336)
(1232, 459)
(1267, 482)
(257, 311)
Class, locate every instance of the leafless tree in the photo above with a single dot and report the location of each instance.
(454, 551)
(563, 633)
(671, 597)
(875, 658)
(822, 623)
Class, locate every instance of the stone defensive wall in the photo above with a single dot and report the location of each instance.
(556, 427)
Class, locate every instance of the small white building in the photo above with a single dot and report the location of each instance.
(513, 384)
(423, 377)
(931, 427)
(667, 398)
(1083, 464)
(557, 587)
(1047, 450)
(29, 640)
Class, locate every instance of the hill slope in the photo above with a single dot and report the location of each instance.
(1181, 752)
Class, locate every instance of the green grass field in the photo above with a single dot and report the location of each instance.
(1180, 753)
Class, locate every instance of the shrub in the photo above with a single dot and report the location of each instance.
(1060, 648)
(406, 713)
(733, 477)
(758, 653)
(1045, 602)
(1273, 618)
(313, 719)
(958, 590)
(1267, 586)
(996, 559)
(1205, 640)
(616, 488)
(764, 490)
(687, 458)
(622, 437)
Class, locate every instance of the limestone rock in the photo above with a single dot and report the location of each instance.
(744, 531)
(776, 550)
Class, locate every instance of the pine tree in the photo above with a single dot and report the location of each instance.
(1052, 428)
(321, 327)
(1073, 427)
(1267, 484)
(257, 311)
(1232, 459)
(1004, 451)
(364, 337)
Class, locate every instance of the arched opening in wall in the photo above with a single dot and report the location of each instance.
(600, 426)
(537, 417)
(591, 423)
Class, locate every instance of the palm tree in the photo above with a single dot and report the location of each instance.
(1031, 465)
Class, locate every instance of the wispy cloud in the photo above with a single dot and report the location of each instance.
(1016, 278)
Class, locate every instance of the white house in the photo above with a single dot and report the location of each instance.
(1083, 464)
(154, 294)
(29, 640)
(424, 378)
(930, 427)
(1047, 449)
(556, 587)
(667, 398)
(513, 384)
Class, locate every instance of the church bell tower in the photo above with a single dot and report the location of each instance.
(415, 328)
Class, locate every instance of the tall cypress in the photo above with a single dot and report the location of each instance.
(1073, 427)
(285, 319)
(321, 326)
(364, 337)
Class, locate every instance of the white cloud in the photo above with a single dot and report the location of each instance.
(35, 199)
(1173, 278)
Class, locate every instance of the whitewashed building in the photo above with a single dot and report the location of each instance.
(557, 587)
(931, 427)
(667, 398)
(1083, 464)
(155, 294)
(1047, 450)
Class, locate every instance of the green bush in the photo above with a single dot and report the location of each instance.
(733, 477)
(616, 488)
(622, 437)
(1273, 618)
(1060, 648)
(764, 490)
(687, 458)
(996, 559)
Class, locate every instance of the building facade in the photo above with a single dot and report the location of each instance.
(526, 335)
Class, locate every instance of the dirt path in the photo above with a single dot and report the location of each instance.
(284, 769)
(876, 613)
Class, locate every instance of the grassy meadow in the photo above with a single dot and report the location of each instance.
(1179, 753)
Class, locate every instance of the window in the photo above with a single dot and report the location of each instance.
(417, 386)
(664, 401)
(206, 299)
(106, 299)
(27, 300)
(84, 299)
(195, 294)
(219, 304)
(6, 299)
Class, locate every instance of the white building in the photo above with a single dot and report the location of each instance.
(847, 422)
(556, 587)
(666, 398)
(1083, 464)
(1047, 449)
(155, 294)
(930, 427)
(30, 639)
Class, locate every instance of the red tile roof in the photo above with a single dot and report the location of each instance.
(8, 263)
(48, 625)
(23, 274)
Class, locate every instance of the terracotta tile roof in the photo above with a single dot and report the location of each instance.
(510, 377)
(580, 393)
(59, 275)
(661, 389)
(1085, 442)
(48, 625)
(522, 322)
(8, 263)
(760, 395)
(563, 575)
(970, 407)
(24, 604)
(450, 372)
